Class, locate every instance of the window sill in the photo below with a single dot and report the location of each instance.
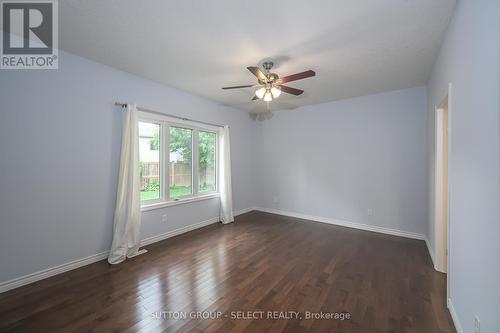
(158, 205)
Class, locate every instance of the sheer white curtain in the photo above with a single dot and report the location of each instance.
(226, 193)
(127, 221)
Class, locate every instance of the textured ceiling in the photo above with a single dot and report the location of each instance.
(356, 47)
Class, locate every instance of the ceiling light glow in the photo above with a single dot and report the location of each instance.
(276, 92)
(260, 92)
(268, 96)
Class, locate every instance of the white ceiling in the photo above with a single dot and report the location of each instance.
(356, 47)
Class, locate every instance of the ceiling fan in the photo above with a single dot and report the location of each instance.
(270, 85)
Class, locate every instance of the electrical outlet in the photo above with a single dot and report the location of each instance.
(477, 325)
(164, 218)
(369, 212)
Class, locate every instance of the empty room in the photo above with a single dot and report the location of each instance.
(250, 166)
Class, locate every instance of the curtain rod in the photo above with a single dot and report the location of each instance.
(169, 115)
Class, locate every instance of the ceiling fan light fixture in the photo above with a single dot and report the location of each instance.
(276, 92)
(260, 92)
(270, 86)
(268, 96)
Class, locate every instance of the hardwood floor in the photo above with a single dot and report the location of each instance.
(263, 262)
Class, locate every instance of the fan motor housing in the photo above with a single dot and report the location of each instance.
(272, 77)
(268, 65)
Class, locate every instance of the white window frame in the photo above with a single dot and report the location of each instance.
(165, 123)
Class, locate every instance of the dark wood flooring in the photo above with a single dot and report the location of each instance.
(263, 262)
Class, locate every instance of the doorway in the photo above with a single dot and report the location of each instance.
(441, 224)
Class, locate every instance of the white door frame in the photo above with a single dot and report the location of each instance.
(442, 235)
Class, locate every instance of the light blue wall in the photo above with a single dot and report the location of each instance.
(60, 143)
(469, 60)
(338, 159)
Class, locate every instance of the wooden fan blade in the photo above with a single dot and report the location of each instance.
(258, 73)
(297, 76)
(290, 90)
(255, 98)
(236, 87)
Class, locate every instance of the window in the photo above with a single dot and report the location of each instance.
(181, 162)
(178, 160)
(149, 156)
(206, 153)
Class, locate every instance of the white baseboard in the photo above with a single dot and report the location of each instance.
(344, 223)
(46, 273)
(243, 211)
(176, 232)
(431, 252)
(454, 316)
